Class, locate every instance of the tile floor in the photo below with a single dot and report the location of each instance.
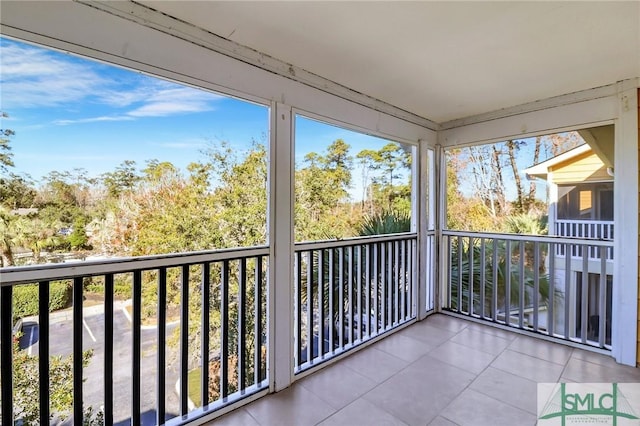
(440, 371)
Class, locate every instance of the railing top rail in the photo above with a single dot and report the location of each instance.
(58, 271)
(316, 245)
(587, 221)
(533, 238)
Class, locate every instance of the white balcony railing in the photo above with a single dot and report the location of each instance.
(589, 229)
(511, 280)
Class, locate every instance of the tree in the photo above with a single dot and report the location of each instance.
(25, 380)
(122, 179)
(17, 191)
(6, 156)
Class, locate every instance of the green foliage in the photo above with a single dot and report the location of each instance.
(25, 298)
(78, 238)
(526, 223)
(17, 191)
(25, 382)
(468, 274)
(385, 222)
(6, 156)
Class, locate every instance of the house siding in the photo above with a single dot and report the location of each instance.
(581, 169)
(638, 345)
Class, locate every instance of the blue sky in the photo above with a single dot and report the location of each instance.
(70, 112)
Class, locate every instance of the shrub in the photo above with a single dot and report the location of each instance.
(25, 298)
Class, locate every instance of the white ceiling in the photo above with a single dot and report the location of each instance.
(439, 60)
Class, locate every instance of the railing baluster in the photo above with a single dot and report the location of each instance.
(602, 300)
(359, 278)
(536, 284)
(389, 284)
(257, 356)
(507, 276)
(383, 280)
(77, 350)
(43, 350)
(460, 250)
(136, 339)
(552, 290)
(108, 349)
(321, 303)
(394, 272)
(341, 255)
(494, 290)
(567, 291)
(6, 355)
(205, 283)
(376, 288)
(483, 270)
(351, 283)
(521, 289)
(224, 332)
(402, 283)
(184, 340)
(331, 290)
(298, 316)
(310, 306)
(471, 271)
(242, 326)
(162, 341)
(585, 298)
(367, 270)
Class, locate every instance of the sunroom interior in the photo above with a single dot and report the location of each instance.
(432, 75)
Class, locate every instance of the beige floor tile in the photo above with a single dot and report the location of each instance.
(461, 356)
(295, 406)
(482, 341)
(428, 334)
(441, 421)
(535, 369)
(508, 388)
(362, 412)
(447, 322)
(374, 364)
(417, 394)
(587, 372)
(494, 331)
(403, 347)
(605, 360)
(476, 409)
(337, 385)
(538, 348)
(239, 417)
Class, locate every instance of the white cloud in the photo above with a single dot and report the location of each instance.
(92, 120)
(33, 77)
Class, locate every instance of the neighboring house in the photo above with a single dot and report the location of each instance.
(580, 183)
(25, 211)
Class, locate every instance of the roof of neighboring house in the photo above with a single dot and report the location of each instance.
(541, 170)
(24, 211)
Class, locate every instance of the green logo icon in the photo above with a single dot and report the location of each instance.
(583, 406)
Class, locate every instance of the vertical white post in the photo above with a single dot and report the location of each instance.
(280, 295)
(420, 211)
(441, 221)
(625, 275)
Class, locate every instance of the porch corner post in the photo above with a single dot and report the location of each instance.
(441, 215)
(280, 223)
(625, 275)
(420, 171)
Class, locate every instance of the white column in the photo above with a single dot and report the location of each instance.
(625, 275)
(280, 296)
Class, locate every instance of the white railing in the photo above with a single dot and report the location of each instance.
(511, 280)
(589, 229)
